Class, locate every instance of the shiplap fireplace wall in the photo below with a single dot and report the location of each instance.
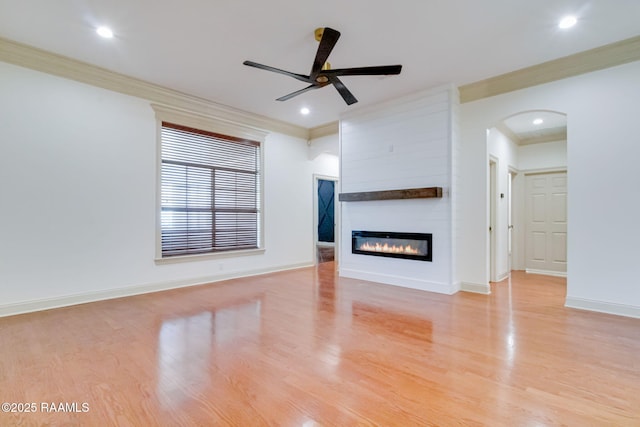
(406, 143)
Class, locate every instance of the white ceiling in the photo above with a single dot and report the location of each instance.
(523, 128)
(197, 46)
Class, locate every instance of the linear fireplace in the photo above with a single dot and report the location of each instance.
(416, 246)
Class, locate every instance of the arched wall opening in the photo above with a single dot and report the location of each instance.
(603, 203)
(527, 194)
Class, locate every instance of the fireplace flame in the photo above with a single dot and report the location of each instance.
(390, 249)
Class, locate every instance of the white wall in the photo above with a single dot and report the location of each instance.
(405, 143)
(323, 152)
(328, 144)
(77, 197)
(604, 197)
(505, 153)
(547, 155)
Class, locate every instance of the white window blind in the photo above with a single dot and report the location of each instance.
(210, 190)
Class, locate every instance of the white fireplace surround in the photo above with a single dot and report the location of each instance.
(402, 144)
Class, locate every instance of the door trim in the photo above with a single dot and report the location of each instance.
(492, 216)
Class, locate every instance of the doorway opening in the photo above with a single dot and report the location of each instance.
(325, 220)
(527, 216)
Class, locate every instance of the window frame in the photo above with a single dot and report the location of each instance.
(216, 126)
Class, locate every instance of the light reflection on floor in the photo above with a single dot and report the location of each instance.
(186, 344)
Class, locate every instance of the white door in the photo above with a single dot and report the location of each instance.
(546, 223)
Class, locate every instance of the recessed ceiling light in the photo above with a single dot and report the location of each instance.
(538, 121)
(104, 32)
(567, 22)
(305, 111)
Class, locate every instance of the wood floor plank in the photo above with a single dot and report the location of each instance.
(306, 348)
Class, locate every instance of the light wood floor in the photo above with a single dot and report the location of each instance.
(303, 348)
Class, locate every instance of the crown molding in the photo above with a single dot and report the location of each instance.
(553, 137)
(12, 52)
(560, 135)
(62, 66)
(602, 57)
(324, 130)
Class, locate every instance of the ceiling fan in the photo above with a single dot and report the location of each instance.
(321, 73)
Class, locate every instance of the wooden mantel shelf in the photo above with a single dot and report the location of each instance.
(408, 193)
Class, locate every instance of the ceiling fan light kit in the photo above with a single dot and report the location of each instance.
(321, 73)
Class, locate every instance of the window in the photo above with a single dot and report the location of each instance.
(210, 192)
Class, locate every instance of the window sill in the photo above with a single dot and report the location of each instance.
(208, 256)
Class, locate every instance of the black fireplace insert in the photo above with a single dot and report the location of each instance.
(416, 246)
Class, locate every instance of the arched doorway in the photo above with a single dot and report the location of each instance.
(527, 194)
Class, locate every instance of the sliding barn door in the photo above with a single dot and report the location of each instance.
(326, 210)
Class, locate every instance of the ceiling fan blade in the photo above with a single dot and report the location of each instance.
(300, 77)
(329, 39)
(298, 92)
(365, 71)
(342, 90)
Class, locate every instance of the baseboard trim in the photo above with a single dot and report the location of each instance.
(546, 272)
(405, 282)
(84, 298)
(502, 276)
(476, 288)
(603, 307)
